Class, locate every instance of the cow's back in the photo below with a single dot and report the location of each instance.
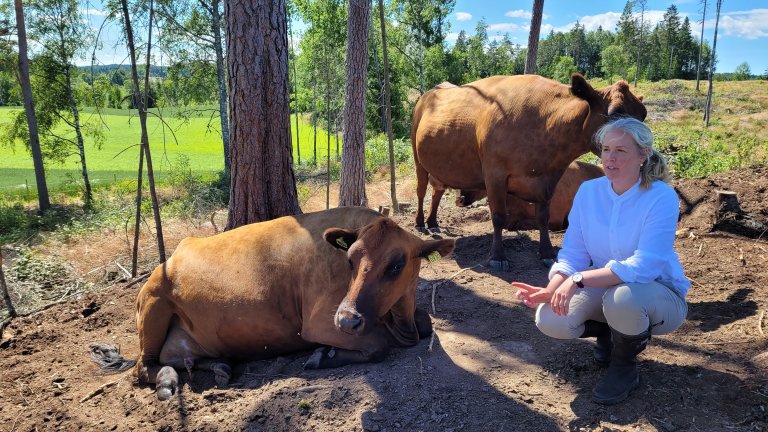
(492, 124)
(248, 287)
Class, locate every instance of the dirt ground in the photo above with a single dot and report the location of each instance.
(486, 369)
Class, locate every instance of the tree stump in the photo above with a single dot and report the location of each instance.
(730, 217)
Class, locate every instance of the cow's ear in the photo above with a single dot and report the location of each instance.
(433, 250)
(581, 88)
(640, 98)
(340, 238)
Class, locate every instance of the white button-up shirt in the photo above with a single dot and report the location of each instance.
(633, 234)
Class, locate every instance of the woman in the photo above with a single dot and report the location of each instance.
(618, 277)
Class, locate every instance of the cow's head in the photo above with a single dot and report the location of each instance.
(616, 100)
(385, 262)
(467, 197)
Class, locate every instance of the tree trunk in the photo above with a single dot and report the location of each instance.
(314, 117)
(701, 44)
(533, 36)
(295, 99)
(79, 135)
(141, 105)
(216, 28)
(263, 186)
(712, 66)
(379, 79)
(640, 44)
(6, 294)
(352, 184)
(44, 202)
(388, 106)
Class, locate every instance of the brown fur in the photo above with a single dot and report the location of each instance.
(275, 287)
(509, 135)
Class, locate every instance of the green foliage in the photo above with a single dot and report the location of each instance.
(614, 62)
(742, 72)
(563, 69)
(193, 196)
(377, 153)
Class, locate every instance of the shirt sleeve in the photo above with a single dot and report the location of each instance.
(656, 242)
(573, 256)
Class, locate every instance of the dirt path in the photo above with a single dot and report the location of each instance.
(487, 367)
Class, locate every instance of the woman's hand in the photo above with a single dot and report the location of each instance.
(531, 295)
(561, 298)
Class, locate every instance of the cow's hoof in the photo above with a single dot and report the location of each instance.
(222, 373)
(434, 230)
(167, 382)
(313, 362)
(499, 265)
(548, 262)
(422, 229)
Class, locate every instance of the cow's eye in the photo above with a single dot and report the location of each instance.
(395, 268)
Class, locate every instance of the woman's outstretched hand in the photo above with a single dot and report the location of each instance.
(530, 295)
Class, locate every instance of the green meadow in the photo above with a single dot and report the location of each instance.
(173, 140)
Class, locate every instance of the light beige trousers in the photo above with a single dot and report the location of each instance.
(629, 308)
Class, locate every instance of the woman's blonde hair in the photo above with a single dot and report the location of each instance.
(655, 166)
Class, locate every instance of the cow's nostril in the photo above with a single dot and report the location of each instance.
(350, 322)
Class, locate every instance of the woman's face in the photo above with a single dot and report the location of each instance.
(621, 158)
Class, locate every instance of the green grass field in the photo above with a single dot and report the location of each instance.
(199, 140)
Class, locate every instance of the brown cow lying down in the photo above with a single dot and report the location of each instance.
(521, 215)
(343, 278)
(509, 135)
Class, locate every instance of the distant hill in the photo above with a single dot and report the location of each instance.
(156, 71)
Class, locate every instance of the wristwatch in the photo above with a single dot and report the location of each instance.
(577, 278)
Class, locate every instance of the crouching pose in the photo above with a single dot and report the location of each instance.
(618, 277)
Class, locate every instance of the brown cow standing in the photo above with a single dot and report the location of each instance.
(282, 286)
(509, 134)
(521, 215)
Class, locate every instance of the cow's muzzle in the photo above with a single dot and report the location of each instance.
(350, 320)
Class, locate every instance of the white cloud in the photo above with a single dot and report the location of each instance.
(607, 21)
(752, 24)
(94, 12)
(463, 16)
(507, 27)
(519, 13)
(451, 37)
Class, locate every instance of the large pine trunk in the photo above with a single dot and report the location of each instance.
(44, 202)
(352, 184)
(263, 186)
(533, 36)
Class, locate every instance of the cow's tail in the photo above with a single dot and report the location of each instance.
(109, 359)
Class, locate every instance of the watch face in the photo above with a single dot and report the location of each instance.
(577, 277)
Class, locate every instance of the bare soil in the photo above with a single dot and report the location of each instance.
(487, 367)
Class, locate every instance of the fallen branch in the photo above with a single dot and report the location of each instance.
(760, 323)
(728, 342)
(138, 279)
(127, 273)
(436, 284)
(98, 391)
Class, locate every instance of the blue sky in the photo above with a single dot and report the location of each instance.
(742, 33)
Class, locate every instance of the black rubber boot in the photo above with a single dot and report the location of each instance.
(602, 351)
(622, 376)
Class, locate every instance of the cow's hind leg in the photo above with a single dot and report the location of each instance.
(546, 251)
(222, 370)
(422, 179)
(497, 202)
(330, 357)
(437, 195)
